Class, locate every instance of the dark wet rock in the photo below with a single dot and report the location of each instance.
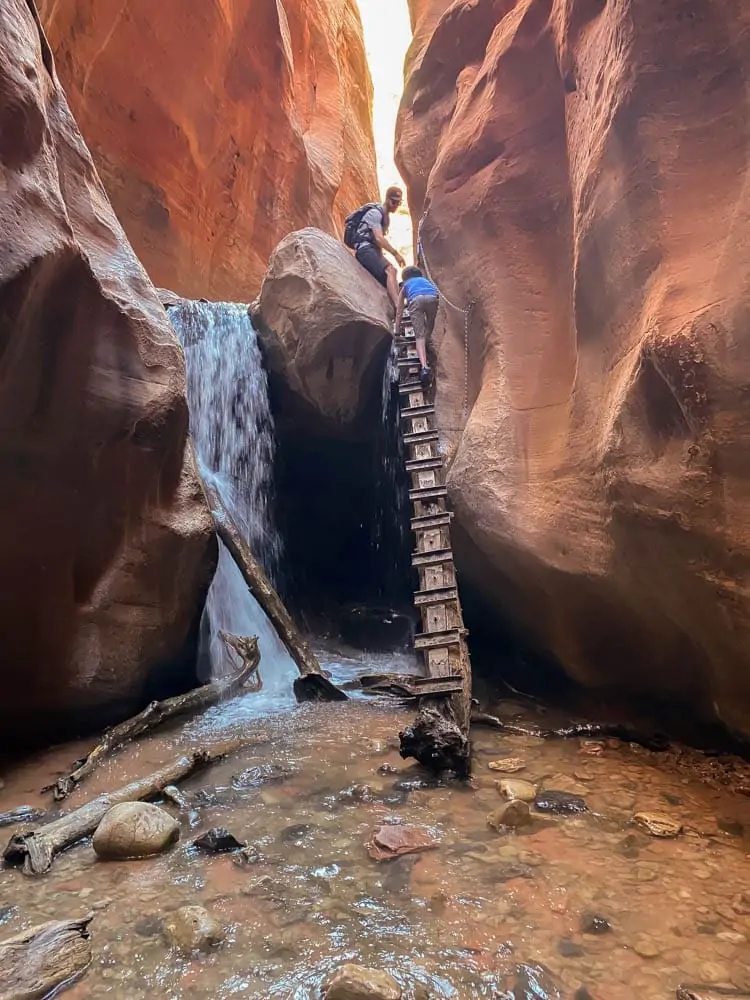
(560, 803)
(531, 982)
(398, 873)
(354, 982)
(298, 833)
(727, 824)
(629, 846)
(569, 949)
(389, 769)
(375, 629)
(262, 774)
(594, 923)
(511, 815)
(582, 993)
(250, 855)
(149, 926)
(23, 814)
(673, 800)
(218, 840)
(356, 794)
(135, 830)
(507, 871)
(191, 928)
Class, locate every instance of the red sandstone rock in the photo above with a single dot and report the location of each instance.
(393, 841)
(585, 168)
(325, 324)
(106, 546)
(217, 128)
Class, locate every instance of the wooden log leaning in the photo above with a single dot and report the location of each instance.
(37, 961)
(36, 849)
(158, 712)
(439, 736)
(312, 684)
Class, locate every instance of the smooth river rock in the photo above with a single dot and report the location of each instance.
(191, 928)
(135, 830)
(597, 461)
(512, 788)
(353, 982)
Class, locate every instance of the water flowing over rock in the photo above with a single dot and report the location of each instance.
(219, 128)
(583, 167)
(232, 426)
(106, 544)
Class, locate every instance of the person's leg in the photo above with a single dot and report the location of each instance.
(419, 322)
(391, 284)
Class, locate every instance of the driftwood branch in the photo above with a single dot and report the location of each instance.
(312, 685)
(581, 730)
(159, 711)
(36, 849)
(37, 961)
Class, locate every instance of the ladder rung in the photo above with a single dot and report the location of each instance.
(404, 341)
(410, 386)
(409, 363)
(432, 558)
(429, 493)
(426, 410)
(423, 464)
(432, 640)
(421, 437)
(427, 521)
(443, 595)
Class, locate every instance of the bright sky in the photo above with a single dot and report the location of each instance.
(387, 37)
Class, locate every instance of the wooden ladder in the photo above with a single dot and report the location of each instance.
(442, 640)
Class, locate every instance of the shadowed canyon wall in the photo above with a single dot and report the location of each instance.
(218, 128)
(106, 544)
(584, 169)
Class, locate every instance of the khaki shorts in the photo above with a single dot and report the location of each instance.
(423, 311)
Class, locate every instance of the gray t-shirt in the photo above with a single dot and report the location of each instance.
(373, 218)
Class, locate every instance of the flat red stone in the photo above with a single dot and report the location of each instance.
(393, 841)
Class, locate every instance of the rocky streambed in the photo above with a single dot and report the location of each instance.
(569, 868)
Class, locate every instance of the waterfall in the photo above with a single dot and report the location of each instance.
(232, 428)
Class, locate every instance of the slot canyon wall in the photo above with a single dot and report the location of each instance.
(220, 128)
(106, 544)
(584, 169)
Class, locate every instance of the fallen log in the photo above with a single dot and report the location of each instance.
(22, 814)
(437, 742)
(36, 849)
(36, 962)
(582, 730)
(312, 685)
(409, 686)
(157, 712)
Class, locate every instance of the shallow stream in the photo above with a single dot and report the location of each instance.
(610, 912)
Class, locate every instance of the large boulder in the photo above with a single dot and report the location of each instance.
(584, 174)
(106, 546)
(134, 830)
(325, 324)
(217, 128)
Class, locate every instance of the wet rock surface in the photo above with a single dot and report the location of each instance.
(135, 830)
(218, 840)
(559, 803)
(352, 982)
(305, 897)
(192, 928)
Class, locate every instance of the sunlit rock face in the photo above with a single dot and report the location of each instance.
(584, 170)
(106, 544)
(217, 128)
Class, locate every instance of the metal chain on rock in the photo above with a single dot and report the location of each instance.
(466, 313)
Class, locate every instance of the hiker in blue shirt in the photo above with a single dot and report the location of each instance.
(421, 298)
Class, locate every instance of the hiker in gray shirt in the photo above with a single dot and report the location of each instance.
(369, 241)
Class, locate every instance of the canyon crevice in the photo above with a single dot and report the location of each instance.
(106, 544)
(219, 129)
(584, 172)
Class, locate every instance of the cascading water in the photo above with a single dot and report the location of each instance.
(232, 427)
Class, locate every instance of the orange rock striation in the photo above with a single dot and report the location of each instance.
(219, 128)
(584, 169)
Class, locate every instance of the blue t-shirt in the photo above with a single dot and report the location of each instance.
(419, 286)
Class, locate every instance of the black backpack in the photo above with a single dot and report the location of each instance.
(354, 221)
